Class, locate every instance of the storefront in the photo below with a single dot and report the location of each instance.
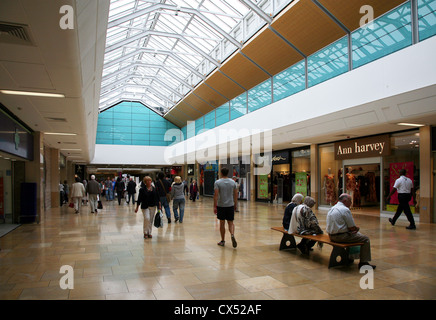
(366, 168)
(208, 176)
(290, 174)
(240, 168)
(16, 147)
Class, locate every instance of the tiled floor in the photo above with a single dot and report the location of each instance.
(111, 260)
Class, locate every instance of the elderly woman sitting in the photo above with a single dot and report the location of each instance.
(297, 199)
(304, 221)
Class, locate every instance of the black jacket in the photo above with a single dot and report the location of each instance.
(119, 186)
(131, 187)
(148, 198)
(160, 189)
(288, 214)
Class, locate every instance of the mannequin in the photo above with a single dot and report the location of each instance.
(329, 187)
(350, 183)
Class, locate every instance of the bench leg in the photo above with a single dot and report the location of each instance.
(339, 252)
(284, 243)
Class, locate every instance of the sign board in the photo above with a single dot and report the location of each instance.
(376, 146)
(280, 157)
(301, 183)
(262, 187)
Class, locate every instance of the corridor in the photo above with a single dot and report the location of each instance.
(111, 260)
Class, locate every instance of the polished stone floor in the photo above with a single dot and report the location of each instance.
(111, 260)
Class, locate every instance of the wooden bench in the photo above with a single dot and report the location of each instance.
(339, 249)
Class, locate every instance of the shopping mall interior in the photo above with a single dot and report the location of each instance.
(310, 97)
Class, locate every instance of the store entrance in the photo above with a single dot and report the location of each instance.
(362, 182)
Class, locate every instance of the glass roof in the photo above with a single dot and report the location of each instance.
(158, 51)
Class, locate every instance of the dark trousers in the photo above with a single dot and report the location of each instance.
(120, 196)
(403, 199)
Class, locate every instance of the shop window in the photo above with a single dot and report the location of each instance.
(331, 176)
(404, 155)
(301, 172)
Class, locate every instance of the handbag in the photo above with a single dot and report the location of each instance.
(99, 205)
(71, 205)
(158, 219)
(166, 194)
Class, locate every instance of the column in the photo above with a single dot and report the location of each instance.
(35, 172)
(314, 173)
(54, 177)
(425, 174)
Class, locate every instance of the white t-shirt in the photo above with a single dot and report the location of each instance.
(339, 219)
(403, 185)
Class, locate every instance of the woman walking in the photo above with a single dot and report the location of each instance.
(148, 199)
(77, 193)
(178, 197)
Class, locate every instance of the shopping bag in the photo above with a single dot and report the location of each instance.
(71, 205)
(158, 219)
(99, 205)
(354, 252)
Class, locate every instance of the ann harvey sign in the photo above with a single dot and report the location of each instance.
(362, 148)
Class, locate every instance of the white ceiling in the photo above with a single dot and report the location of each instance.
(61, 61)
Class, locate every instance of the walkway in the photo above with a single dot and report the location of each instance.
(111, 259)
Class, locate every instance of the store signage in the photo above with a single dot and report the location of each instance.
(362, 148)
(280, 157)
(14, 138)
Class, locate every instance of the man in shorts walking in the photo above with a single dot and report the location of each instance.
(224, 203)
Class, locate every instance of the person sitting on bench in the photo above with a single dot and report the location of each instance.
(297, 199)
(342, 229)
(304, 221)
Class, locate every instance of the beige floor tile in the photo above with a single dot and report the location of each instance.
(139, 295)
(92, 289)
(215, 290)
(177, 293)
(46, 293)
(303, 292)
(142, 284)
(111, 260)
(260, 283)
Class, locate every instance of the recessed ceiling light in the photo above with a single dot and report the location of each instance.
(35, 94)
(410, 124)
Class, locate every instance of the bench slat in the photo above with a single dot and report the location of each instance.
(320, 238)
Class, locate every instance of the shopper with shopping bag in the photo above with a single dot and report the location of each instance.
(148, 199)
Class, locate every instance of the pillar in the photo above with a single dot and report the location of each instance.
(34, 173)
(54, 177)
(314, 173)
(425, 174)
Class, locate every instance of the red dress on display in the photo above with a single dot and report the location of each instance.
(329, 185)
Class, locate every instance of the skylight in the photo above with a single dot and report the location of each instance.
(158, 51)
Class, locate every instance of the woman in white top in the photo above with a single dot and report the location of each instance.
(77, 193)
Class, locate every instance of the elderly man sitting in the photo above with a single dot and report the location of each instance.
(342, 229)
